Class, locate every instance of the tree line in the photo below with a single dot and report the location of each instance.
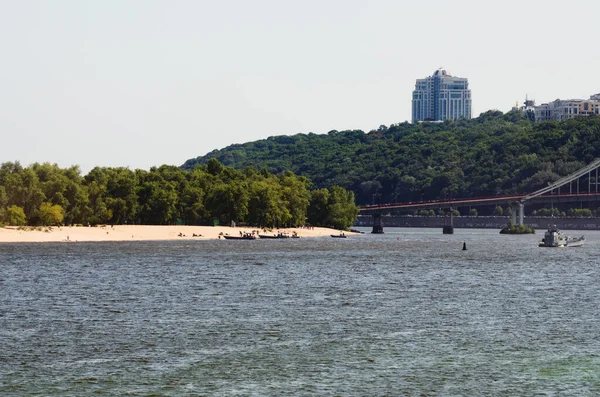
(493, 154)
(45, 194)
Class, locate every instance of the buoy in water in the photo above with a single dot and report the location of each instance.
(465, 246)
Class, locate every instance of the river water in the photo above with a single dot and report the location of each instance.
(407, 313)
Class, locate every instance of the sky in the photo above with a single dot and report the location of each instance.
(124, 83)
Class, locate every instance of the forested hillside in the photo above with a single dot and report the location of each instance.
(493, 154)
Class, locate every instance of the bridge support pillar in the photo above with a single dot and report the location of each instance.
(377, 228)
(517, 210)
(449, 229)
(521, 211)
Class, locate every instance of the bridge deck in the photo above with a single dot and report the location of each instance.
(478, 201)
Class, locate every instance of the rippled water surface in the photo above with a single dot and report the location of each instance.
(407, 313)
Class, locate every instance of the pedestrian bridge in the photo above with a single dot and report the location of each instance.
(573, 191)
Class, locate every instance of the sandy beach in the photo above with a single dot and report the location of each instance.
(139, 233)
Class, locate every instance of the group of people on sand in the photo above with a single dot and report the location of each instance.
(252, 233)
(183, 235)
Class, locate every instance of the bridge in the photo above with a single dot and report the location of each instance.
(516, 202)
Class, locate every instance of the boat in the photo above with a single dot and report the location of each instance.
(245, 236)
(341, 235)
(576, 241)
(278, 235)
(556, 238)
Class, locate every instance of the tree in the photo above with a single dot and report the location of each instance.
(498, 211)
(214, 167)
(342, 211)
(98, 210)
(79, 209)
(368, 189)
(15, 216)
(192, 201)
(24, 190)
(228, 202)
(317, 208)
(121, 197)
(266, 205)
(50, 214)
(3, 202)
(296, 197)
(158, 203)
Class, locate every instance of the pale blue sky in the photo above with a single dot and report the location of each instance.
(144, 83)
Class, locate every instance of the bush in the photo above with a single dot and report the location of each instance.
(15, 216)
(521, 229)
(548, 212)
(51, 214)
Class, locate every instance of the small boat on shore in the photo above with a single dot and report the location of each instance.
(341, 235)
(245, 236)
(556, 238)
(274, 236)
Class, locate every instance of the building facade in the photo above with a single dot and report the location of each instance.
(440, 97)
(564, 109)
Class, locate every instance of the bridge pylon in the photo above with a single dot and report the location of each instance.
(448, 229)
(521, 213)
(517, 210)
(377, 228)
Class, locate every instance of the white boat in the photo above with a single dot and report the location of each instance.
(556, 238)
(272, 236)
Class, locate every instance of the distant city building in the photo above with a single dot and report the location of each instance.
(563, 109)
(440, 97)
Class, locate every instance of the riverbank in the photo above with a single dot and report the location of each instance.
(140, 233)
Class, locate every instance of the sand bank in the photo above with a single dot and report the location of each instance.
(139, 233)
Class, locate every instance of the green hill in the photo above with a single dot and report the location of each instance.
(493, 154)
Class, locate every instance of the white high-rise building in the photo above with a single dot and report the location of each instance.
(440, 97)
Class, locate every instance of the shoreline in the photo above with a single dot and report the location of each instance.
(44, 234)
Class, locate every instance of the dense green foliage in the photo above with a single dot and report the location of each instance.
(44, 194)
(520, 229)
(493, 154)
(571, 212)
